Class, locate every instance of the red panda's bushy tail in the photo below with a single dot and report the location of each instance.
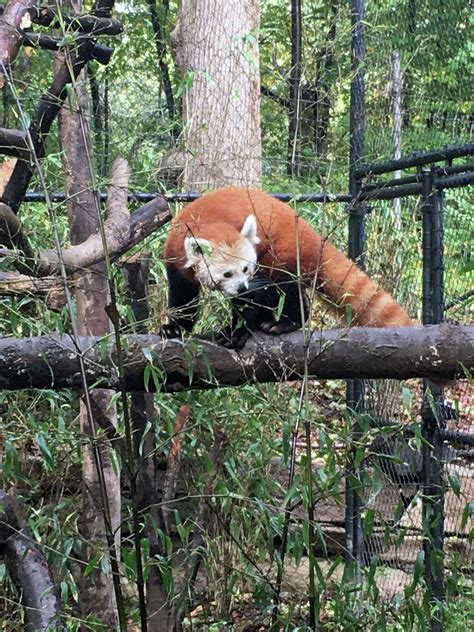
(344, 283)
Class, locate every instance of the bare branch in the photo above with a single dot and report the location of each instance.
(28, 569)
(48, 107)
(122, 231)
(436, 351)
(51, 288)
(13, 142)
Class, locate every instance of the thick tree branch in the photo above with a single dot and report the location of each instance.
(13, 142)
(99, 52)
(28, 569)
(437, 351)
(94, 24)
(121, 231)
(116, 230)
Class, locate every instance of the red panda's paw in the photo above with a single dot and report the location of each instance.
(280, 327)
(233, 338)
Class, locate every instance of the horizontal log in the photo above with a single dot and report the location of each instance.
(437, 351)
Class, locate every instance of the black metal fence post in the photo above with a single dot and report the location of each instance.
(433, 456)
(355, 388)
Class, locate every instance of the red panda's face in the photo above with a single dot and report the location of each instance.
(222, 266)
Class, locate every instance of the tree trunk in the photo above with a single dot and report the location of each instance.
(97, 591)
(216, 47)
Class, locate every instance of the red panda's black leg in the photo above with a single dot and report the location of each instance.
(183, 298)
(288, 315)
(266, 306)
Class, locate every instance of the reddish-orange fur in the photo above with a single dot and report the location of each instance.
(285, 238)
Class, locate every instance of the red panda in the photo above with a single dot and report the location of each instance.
(256, 250)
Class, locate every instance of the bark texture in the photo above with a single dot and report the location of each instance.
(437, 351)
(121, 232)
(97, 592)
(28, 569)
(216, 48)
(14, 20)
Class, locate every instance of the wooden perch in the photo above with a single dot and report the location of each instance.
(121, 231)
(28, 569)
(437, 351)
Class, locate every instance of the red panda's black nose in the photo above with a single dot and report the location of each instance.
(242, 288)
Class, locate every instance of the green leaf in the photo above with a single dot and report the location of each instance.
(45, 451)
(468, 267)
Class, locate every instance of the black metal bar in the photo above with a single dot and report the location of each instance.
(442, 174)
(355, 548)
(141, 196)
(455, 181)
(433, 451)
(452, 169)
(410, 430)
(357, 103)
(416, 159)
(315, 198)
(450, 436)
(393, 182)
(437, 255)
(427, 186)
(391, 193)
(441, 183)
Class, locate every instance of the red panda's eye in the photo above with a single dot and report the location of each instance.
(245, 270)
(227, 275)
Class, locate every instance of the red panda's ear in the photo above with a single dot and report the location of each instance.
(249, 230)
(194, 248)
